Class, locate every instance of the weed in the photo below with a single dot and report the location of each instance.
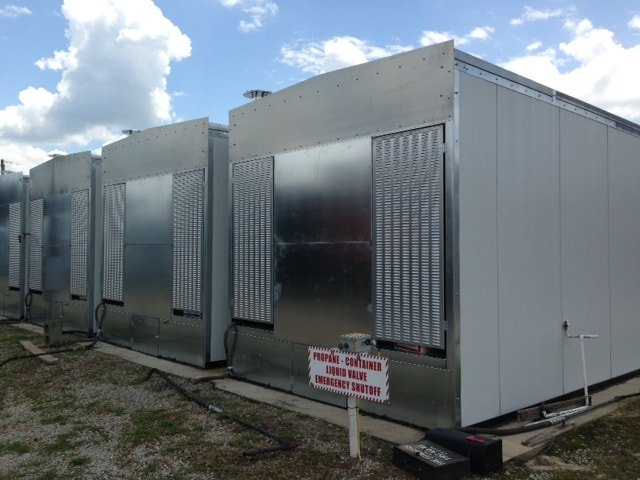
(48, 475)
(17, 448)
(80, 461)
(148, 425)
(62, 443)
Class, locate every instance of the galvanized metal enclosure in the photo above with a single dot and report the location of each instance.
(165, 254)
(13, 220)
(454, 211)
(62, 205)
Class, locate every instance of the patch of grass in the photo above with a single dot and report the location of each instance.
(99, 407)
(80, 461)
(18, 448)
(148, 425)
(50, 420)
(48, 475)
(62, 443)
(245, 441)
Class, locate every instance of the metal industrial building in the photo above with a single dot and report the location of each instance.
(458, 213)
(61, 246)
(165, 241)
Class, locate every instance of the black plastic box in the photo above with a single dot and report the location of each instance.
(485, 453)
(430, 461)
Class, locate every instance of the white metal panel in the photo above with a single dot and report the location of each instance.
(528, 250)
(585, 246)
(479, 320)
(624, 224)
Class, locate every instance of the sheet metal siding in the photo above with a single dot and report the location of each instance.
(252, 240)
(188, 231)
(624, 224)
(4, 252)
(584, 227)
(15, 220)
(36, 216)
(371, 91)
(408, 212)
(61, 174)
(157, 151)
(113, 228)
(528, 250)
(79, 243)
(479, 319)
(56, 258)
(219, 231)
(12, 191)
(322, 235)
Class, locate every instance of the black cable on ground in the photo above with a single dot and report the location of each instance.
(52, 352)
(283, 445)
(504, 432)
(99, 322)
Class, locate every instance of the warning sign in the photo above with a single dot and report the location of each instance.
(357, 375)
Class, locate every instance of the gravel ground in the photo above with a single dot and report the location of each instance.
(95, 416)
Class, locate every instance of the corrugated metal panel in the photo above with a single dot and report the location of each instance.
(79, 242)
(252, 231)
(408, 212)
(188, 228)
(35, 253)
(14, 245)
(114, 217)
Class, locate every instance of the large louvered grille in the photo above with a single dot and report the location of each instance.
(188, 225)
(252, 227)
(14, 245)
(35, 250)
(408, 212)
(79, 242)
(114, 217)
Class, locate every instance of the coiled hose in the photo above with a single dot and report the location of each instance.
(283, 445)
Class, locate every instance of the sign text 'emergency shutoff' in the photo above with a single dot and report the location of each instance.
(357, 375)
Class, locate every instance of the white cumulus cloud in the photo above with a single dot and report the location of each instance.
(533, 46)
(634, 22)
(257, 10)
(13, 11)
(532, 15)
(335, 53)
(591, 65)
(113, 75)
(431, 37)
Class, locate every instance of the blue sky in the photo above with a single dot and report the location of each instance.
(76, 72)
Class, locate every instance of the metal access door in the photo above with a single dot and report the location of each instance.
(408, 235)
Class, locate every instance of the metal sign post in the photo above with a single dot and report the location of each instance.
(350, 371)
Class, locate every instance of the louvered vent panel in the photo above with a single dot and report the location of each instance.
(14, 244)
(408, 212)
(188, 226)
(79, 242)
(35, 240)
(114, 217)
(252, 227)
